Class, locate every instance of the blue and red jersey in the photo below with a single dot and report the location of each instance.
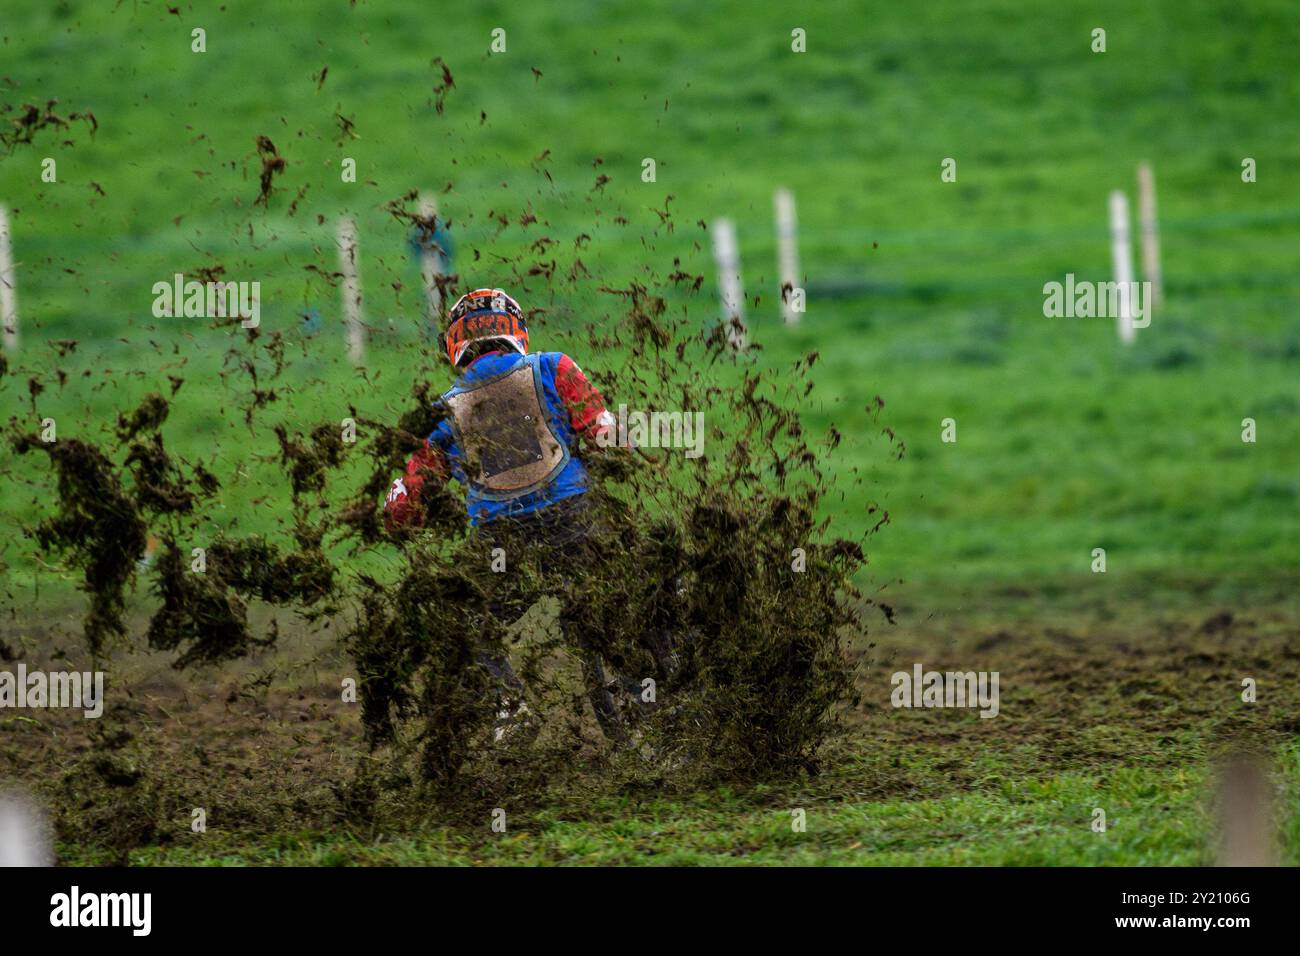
(575, 409)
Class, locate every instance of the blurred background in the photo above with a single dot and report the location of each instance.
(923, 292)
(127, 157)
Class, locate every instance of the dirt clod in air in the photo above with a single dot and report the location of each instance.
(273, 164)
(25, 121)
(98, 526)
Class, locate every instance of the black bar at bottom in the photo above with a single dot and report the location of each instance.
(336, 905)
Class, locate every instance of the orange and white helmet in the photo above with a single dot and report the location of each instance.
(482, 315)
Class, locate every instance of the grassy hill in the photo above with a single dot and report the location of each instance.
(925, 293)
(1066, 441)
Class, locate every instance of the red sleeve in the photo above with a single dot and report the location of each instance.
(585, 404)
(402, 506)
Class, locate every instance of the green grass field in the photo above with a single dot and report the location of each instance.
(925, 293)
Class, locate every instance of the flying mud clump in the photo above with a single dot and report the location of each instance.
(706, 604)
(110, 503)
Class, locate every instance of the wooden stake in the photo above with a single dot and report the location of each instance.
(787, 251)
(356, 335)
(1121, 254)
(1245, 813)
(726, 253)
(24, 836)
(433, 265)
(1150, 236)
(8, 286)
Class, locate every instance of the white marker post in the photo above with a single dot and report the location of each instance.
(1121, 255)
(347, 241)
(726, 253)
(787, 252)
(24, 836)
(8, 286)
(432, 264)
(1150, 236)
(1245, 812)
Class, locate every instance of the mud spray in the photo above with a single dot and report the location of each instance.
(712, 590)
